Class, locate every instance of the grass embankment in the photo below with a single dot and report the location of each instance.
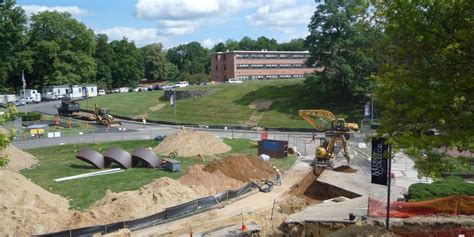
(57, 162)
(443, 188)
(229, 104)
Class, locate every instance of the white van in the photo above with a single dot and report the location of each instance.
(101, 92)
(182, 84)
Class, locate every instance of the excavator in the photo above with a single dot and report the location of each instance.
(103, 117)
(336, 135)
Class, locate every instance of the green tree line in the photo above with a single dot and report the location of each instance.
(415, 59)
(53, 48)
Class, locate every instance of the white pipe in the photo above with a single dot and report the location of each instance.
(102, 172)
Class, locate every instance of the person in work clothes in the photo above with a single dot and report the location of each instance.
(279, 178)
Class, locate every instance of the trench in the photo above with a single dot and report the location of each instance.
(310, 191)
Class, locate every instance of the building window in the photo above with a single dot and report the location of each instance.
(224, 57)
(225, 65)
(217, 67)
(92, 89)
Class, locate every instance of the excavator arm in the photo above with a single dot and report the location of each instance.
(312, 115)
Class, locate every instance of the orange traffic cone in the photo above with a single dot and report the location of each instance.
(244, 227)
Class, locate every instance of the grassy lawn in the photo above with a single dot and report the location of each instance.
(57, 162)
(227, 105)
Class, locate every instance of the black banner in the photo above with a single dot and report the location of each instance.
(380, 154)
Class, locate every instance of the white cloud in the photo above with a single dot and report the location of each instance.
(178, 17)
(175, 9)
(208, 43)
(73, 10)
(141, 36)
(283, 15)
(170, 27)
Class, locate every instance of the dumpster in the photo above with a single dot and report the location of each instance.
(273, 148)
(173, 165)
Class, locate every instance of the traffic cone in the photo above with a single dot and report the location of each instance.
(244, 227)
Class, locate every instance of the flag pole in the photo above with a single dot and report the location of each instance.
(24, 89)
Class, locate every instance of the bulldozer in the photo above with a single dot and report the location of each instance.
(336, 136)
(103, 117)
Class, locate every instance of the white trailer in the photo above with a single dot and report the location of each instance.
(30, 96)
(7, 99)
(75, 92)
(55, 92)
(89, 90)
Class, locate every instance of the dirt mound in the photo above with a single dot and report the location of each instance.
(243, 168)
(345, 169)
(26, 208)
(188, 143)
(18, 159)
(214, 182)
(261, 105)
(149, 199)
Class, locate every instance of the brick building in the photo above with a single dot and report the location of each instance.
(259, 65)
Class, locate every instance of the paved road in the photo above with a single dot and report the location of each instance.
(50, 107)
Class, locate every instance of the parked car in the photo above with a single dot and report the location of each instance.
(101, 92)
(233, 80)
(167, 87)
(160, 137)
(182, 84)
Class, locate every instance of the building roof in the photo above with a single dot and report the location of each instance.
(261, 51)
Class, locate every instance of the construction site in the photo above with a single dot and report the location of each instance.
(325, 191)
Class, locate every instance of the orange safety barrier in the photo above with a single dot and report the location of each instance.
(453, 205)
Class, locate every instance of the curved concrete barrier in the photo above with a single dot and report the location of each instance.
(145, 155)
(92, 157)
(119, 157)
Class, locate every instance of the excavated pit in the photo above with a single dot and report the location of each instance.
(310, 191)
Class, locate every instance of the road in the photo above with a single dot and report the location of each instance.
(49, 107)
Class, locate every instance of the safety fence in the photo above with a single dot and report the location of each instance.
(169, 214)
(453, 205)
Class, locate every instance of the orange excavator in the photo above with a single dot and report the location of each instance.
(103, 117)
(336, 135)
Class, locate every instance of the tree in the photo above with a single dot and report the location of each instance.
(173, 72)
(63, 50)
(246, 43)
(6, 138)
(156, 64)
(127, 70)
(12, 40)
(103, 58)
(293, 45)
(340, 42)
(191, 58)
(265, 43)
(426, 78)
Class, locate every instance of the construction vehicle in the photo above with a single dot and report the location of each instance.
(335, 137)
(326, 117)
(68, 108)
(103, 117)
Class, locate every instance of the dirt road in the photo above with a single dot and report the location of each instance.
(231, 214)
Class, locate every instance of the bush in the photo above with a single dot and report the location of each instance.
(443, 188)
(30, 116)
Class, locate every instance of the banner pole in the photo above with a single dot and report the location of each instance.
(389, 178)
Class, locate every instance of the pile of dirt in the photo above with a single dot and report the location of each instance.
(214, 182)
(188, 143)
(26, 208)
(18, 159)
(243, 168)
(149, 199)
(345, 169)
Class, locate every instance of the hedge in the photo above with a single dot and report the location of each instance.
(30, 116)
(444, 188)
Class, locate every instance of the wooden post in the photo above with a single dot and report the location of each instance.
(273, 208)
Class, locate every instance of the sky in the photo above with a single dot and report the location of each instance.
(175, 22)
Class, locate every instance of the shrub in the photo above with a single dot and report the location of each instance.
(444, 188)
(30, 116)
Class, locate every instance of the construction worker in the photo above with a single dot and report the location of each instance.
(279, 178)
